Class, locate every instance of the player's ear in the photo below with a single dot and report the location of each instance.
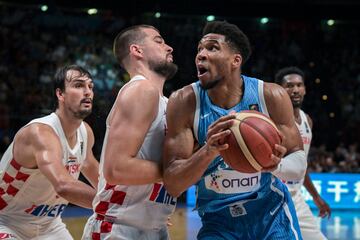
(59, 94)
(237, 61)
(136, 50)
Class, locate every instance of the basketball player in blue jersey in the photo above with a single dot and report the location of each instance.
(293, 80)
(231, 204)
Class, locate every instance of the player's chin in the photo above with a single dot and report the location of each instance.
(83, 113)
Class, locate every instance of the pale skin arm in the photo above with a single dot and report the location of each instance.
(41, 148)
(135, 109)
(182, 167)
(90, 167)
(324, 209)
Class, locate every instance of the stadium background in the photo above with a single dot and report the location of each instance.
(320, 36)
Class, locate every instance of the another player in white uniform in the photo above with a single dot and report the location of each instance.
(132, 202)
(292, 79)
(39, 170)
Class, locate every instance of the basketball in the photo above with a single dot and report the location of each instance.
(251, 142)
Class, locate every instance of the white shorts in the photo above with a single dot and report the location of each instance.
(96, 229)
(12, 229)
(309, 227)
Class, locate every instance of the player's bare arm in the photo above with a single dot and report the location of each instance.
(90, 167)
(293, 165)
(281, 112)
(179, 160)
(44, 151)
(135, 109)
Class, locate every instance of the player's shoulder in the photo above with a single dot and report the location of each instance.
(269, 86)
(35, 132)
(87, 127)
(308, 118)
(273, 91)
(184, 96)
(140, 85)
(140, 91)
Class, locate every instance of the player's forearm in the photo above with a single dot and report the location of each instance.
(310, 186)
(77, 193)
(292, 167)
(182, 173)
(133, 171)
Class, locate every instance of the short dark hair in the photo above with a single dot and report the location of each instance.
(127, 37)
(60, 77)
(279, 76)
(236, 39)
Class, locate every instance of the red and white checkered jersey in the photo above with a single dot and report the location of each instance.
(142, 206)
(306, 135)
(26, 194)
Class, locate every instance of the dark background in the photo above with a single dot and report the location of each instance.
(34, 43)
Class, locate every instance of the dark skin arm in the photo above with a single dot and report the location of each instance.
(180, 160)
(281, 112)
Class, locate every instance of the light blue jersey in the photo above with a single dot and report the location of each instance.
(240, 201)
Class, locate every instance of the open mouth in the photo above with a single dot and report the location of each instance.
(202, 70)
(297, 98)
(170, 58)
(87, 101)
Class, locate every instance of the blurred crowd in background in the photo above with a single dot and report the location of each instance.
(35, 43)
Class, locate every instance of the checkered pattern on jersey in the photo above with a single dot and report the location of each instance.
(101, 228)
(13, 178)
(113, 197)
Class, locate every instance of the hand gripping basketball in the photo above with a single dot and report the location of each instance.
(251, 143)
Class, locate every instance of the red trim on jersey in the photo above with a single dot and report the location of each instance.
(118, 197)
(7, 178)
(11, 190)
(15, 164)
(22, 176)
(3, 204)
(155, 191)
(102, 207)
(106, 227)
(95, 236)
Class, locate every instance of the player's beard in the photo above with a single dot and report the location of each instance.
(81, 113)
(297, 104)
(164, 68)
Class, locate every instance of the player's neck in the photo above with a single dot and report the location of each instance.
(297, 115)
(228, 92)
(156, 79)
(69, 124)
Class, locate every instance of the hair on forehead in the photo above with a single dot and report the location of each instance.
(62, 75)
(128, 36)
(236, 39)
(279, 76)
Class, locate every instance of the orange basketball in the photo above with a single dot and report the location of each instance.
(251, 142)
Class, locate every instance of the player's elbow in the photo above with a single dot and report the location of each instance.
(112, 177)
(171, 186)
(62, 188)
(173, 191)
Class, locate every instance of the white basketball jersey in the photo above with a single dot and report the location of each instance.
(306, 135)
(141, 206)
(26, 194)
